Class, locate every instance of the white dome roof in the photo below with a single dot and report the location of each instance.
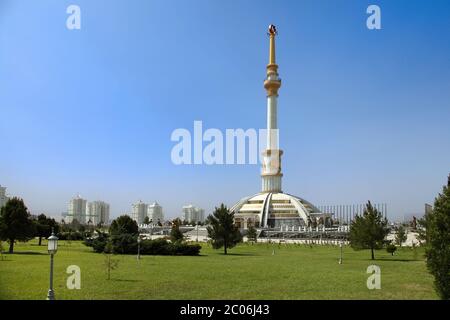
(274, 210)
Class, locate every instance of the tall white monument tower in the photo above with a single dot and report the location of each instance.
(271, 170)
(271, 208)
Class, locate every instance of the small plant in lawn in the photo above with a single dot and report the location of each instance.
(110, 263)
(252, 235)
(415, 253)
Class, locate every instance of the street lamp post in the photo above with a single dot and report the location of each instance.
(52, 248)
(340, 258)
(197, 232)
(139, 248)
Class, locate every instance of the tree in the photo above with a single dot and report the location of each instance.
(222, 230)
(438, 243)
(75, 225)
(1, 250)
(123, 224)
(146, 220)
(252, 234)
(369, 230)
(414, 223)
(44, 227)
(82, 228)
(400, 237)
(110, 264)
(391, 248)
(15, 223)
(175, 234)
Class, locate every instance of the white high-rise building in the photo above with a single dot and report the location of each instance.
(3, 198)
(97, 212)
(76, 210)
(155, 213)
(139, 212)
(193, 214)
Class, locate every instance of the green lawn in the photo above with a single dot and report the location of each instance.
(248, 272)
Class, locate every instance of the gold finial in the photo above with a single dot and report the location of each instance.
(272, 33)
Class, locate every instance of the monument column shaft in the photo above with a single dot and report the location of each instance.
(272, 136)
(272, 49)
(271, 171)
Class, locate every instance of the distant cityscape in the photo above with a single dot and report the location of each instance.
(98, 212)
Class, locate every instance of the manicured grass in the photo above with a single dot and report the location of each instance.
(248, 272)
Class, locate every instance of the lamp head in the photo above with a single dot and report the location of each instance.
(52, 243)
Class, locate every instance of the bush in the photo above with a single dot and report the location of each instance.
(155, 247)
(184, 249)
(98, 243)
(124, 243)
(163, 247)
(127, 244)
(75, 235)
(390, 248)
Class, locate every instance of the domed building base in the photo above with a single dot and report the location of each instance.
(275, 210)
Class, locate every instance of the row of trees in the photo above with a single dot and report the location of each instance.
(123, 238)
(16, 224)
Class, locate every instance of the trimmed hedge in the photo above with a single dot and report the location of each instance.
(127, 244)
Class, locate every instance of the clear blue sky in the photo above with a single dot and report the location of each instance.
(362, 114)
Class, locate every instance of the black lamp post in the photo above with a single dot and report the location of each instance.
(197, 231)
(139, 248)
(52, 248)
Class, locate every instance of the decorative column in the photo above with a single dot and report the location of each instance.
(271, 169)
